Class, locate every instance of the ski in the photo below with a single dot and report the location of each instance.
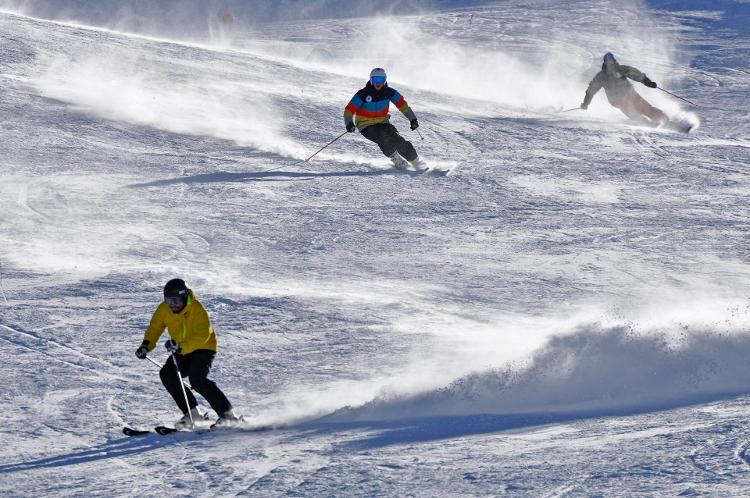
(681, 126)
(159, 429)
(163, 430)
(424, 171)
(437, 172)
(134, 432)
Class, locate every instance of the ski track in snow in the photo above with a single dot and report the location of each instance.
(564, 314)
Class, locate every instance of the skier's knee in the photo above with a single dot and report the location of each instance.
(164, 376)
(200, 383)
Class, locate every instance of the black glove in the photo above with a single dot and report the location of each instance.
(350, 127)
(414, 124)
(584, 106)
(172, 346)
(649, 83)
(142, 351)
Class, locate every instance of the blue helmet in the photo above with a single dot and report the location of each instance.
(609, 58)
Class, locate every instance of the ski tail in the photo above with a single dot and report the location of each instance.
(159, 429)
(129, 431)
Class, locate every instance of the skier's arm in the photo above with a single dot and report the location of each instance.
(636, 75)
(348, 118)
(351, 109)
(155, 329)
(596, 84)
(400, 103)
(200, 326)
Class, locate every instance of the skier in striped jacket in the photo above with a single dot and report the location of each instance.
(368, 112)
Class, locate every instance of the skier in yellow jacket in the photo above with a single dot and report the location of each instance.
(193, 344)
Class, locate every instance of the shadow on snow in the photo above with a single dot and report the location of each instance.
(362, 435)
(112, 449)
(374, 434)
(224, 176)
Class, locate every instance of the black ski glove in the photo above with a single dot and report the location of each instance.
(142, 351)
(649, 83)
(414, 124)
(584, 106)
(172, 346)
(350, 127)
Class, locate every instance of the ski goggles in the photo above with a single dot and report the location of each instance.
(173, 300)
(377, 80)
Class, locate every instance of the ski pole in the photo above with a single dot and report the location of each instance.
(572, 109)
(158, 365)
(153, 361)
(681, 98)
(184, 393)
(326, 145)
(420, 134)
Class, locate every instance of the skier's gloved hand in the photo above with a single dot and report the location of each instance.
(649, 83)
(584, 106)
(142, 350)
(172, 346)
(414, 124)
(350, 127)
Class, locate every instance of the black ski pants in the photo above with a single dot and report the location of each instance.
(195, 366)
(387, 137)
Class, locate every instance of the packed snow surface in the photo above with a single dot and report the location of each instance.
(565, 314)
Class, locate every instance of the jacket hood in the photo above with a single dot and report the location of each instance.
(615, 66)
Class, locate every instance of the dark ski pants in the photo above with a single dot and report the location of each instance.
(195, 366)
(387, 137)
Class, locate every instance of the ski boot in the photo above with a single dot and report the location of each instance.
(228, 419)
(184, 422)
(418, 164)
(398, 161)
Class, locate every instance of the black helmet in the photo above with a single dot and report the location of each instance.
(176, 287)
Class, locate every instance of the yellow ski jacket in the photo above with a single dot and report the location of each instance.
(191, 327)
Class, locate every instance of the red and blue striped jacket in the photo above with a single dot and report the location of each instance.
(371, 106)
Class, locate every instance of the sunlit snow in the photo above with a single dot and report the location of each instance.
(565, 314)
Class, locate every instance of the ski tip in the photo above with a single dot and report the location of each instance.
(163, 431)
(437, 172)
(129, 431)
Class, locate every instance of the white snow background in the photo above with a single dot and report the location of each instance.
(566, 313)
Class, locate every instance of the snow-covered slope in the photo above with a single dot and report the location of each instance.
(565, 314)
